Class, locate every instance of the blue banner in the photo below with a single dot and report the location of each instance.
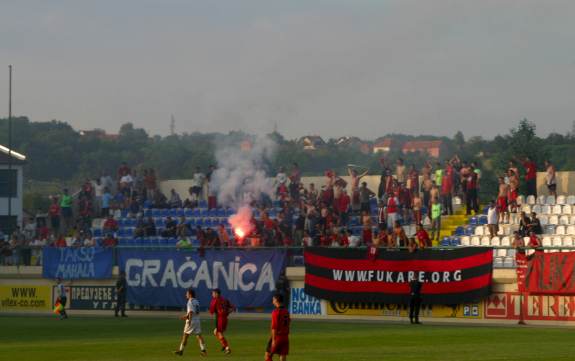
(77, 263)
(160, 278)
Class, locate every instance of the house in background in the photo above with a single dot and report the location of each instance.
(11, 188)
(246, 145)
(354, 143)
(433, 148)
(383, 145)
(311, 142)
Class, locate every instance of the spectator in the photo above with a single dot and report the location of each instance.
(150, 183)
(60, 242)
(66, 209)
(400, 173)
(198, 180)
(123, 170)
(518, 243)
(98, 193)
(184, 242)
(399, 236)
(524, 224)
(391, 210)
(413, 180)
(307, 241)
(355, 179)
(502, 197)
(110, 225)
(54, 214)
(381, 216)
(550, 178)
(106, 200)
(422, 237)
(416, 204)
(492, 219)
(110, 241)
(175, 200)
(126, 184)
(471, 193)
(513, 190)
(183, 228)
(171, 228)
(354, 241)
(530, 176)
(224, 236)
(535, 224)
(438, 174)
(435, 220)
(446, 191)
(364, 197)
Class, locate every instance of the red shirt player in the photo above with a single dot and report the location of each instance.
(279, 340)
(221, 308)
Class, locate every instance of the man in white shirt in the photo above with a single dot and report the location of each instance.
(492, 219)
(62, 297)
(197, 187)
(193, 324)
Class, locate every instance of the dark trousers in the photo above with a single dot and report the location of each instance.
(471, 201)
(120, 305)
(447, 203)
(414, 306)
(63, 301)
(532, 187)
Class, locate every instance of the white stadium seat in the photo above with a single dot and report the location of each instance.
(568, 241)
(505, 241)
(567, 209)
(486, 241)
(475, 241)
(495, 241)
(560, 230)
(520, 200)
(553, 220)
(531, 200)
(572, 220)
(570, 230)
(511, 253)
(526, 208)
(545, 209)
(500, 252)
(537, 208)
(560, 200)
(541, 200)
(498, 262)
(550, 200)
(543, 220)
(557, 241)
(465, 241)
(546, 241)
(509, 262)
(571, 200)
(557, 209)
(479, 231)
(564, 220)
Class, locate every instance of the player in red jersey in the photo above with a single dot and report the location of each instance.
(221, 308)
(279, 340)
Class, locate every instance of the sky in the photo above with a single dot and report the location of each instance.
(340, 67)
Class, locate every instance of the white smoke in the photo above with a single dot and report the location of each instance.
(240, 179)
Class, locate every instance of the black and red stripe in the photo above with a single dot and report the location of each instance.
(474, 263)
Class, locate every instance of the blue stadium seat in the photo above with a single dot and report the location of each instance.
(124, 213)
(473, 221)
(455, 241)
(203, 204)
(196, 212)
(469, 230)
(97, 232)
(180, 212)
(482, 220)
(212, 212)
(147, 213)
(172, 212)
(188, 212)
(460, 231)
(445, 242)
(165, 213)
(221, 212)
(156, 213)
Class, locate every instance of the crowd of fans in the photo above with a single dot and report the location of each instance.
(338, 213)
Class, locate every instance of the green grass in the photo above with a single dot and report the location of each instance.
(149, 339)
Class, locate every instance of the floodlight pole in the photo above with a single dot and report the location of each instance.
(10, 143)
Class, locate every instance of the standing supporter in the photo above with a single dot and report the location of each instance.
(364, 196)
(413, 181)
(121, 289)
(66, 210)
(355, 179)
(110, 225)
(502, 197)
(54, 214)
(471, 193)
(535, 224)
(392, 210)
(435, 219)
(381, 216)
(426, 188)
(98, 193)
(343, 208)
(150, 183)
(530, 176)
(106, 200)
(221, 308)
(446, 192)
(175, 200)
(416, 205)
(399, 236)
(438, 174)
(400, 173)
(197, 187)
(126, 184)
(492, 219)
(513, 190)
(550, 178)
(415, 301)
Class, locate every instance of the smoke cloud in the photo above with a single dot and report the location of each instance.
(241, 178)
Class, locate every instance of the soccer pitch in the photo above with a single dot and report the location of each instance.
(150, 339)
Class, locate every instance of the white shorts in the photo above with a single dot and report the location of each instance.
(193, 327)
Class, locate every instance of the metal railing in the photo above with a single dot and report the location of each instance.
(32, 256)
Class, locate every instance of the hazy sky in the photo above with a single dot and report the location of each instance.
(353, 67)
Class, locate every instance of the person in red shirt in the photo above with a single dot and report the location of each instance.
(110, 224)
(221, 308)
(446, 192)
(109, 241)
(530, 176)
(422, 237)
(343, 207)
(54, 213)
(279, 339)
(535, 242)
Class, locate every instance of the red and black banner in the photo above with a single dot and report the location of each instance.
(448, 276)
(548, 273)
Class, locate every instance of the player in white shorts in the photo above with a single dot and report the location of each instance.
(193, 325)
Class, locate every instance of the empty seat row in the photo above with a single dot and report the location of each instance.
(547, 241)
(547, 200)
(546, 209)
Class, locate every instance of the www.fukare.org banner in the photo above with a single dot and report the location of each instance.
(448, 276)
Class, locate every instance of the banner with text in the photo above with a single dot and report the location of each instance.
(468, 310)
(77, 263)
(548, 273)
(303, 304)
(25, 298)
(92, 297)
(455, 276)
(160, 278)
